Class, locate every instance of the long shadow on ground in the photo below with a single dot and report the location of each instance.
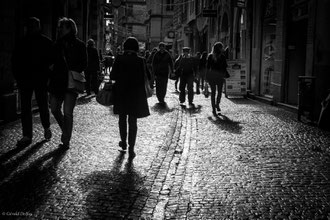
(112, 193)
(225, 123)
(29, 188)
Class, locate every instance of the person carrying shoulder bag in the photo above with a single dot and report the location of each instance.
(70, 54)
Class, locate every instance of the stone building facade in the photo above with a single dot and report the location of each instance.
(280, 41)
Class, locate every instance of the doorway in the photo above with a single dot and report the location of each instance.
(296, 53)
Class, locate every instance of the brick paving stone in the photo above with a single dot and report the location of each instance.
(255, 161)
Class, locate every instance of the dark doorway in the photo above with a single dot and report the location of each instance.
(296, 53)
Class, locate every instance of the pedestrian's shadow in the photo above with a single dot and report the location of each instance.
(225, 123)
(29, 188)
(112, 193)
(161, 108)
(7, 166)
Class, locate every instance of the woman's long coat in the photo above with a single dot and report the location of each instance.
(130, 98)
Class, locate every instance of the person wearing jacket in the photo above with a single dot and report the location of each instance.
(216, 70)
(161, 64)
(130, 99)
(69, 54)
(93, 67)
(187, 71)
(30, 61)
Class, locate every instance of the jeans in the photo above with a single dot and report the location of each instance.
(132, 129)
(161, 87)
(65, 119)
(189, 82)
(216, 87)
(41, 95)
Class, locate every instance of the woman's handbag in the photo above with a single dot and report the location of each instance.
(76, 81)
(105, 96)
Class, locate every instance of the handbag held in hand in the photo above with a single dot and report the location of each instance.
(105, 96)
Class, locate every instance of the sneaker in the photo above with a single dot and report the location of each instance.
(24, 142)
(131, 155)
(48, 134)
(123, 145)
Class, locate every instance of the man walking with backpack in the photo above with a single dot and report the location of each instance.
(31, 60)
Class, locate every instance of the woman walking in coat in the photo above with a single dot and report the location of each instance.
(69, 54)
(216, 70)
(130, 102)
(93, 67)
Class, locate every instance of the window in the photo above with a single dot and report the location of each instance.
(129, 10)
(169, 5)
(192, 7)
(129, 29)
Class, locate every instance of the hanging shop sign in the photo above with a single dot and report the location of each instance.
(241, 3)
(236, 84)
(116, 3)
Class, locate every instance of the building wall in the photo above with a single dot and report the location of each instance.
(321, 61)
(256, 48)
(159, 21)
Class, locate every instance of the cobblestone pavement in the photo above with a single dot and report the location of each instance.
(254, 161)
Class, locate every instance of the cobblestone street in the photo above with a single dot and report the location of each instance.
(255, 161)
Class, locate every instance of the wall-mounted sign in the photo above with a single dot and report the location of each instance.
(171, 34)
(300, 11)
(209, 13)
(188, 30)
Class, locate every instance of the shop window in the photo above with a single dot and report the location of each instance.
(268, 47)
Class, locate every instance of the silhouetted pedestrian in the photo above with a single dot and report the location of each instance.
(187, 72)
(202, 69)
(31, 61)
(130, 102)
(93, 67)
(162, 63)
(149, 66)
(70, 54)
(215, 75)
(197, 77)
